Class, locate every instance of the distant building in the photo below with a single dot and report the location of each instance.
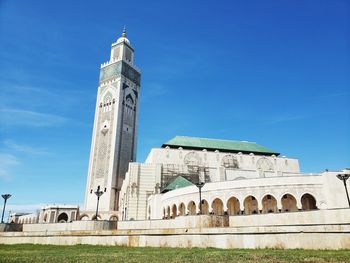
(47, 214)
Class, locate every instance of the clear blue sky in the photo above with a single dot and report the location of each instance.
(273, 72)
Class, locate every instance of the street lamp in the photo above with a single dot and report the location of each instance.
(345, 177)
(200, 186)
(98, 193)
(5, 196)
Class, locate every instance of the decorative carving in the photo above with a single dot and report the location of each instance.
(192, 158)
(229, 161)
(105, 127)
(117, 69)
(99, 173)
(264, 164)
(102, 151)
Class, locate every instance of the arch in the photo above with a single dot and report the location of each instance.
(84, 217)
(289, 203)
(269, 204)
(62, 218)
(182, 209)
(205, 207)
(113, 218)
(308, 202)
(94, 217)
(173, 211)
(218, 207)
(191, 208)
(250, 205)
(233, 206)
(164, 215)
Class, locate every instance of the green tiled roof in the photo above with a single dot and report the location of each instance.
(215, 144)
(179, 182)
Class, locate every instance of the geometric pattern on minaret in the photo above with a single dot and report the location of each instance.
(114, 135)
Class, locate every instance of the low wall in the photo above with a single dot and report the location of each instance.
(5, 227)
(312, 230)
(331, 216)
(202, 221)
(72, 226)
(306, 237)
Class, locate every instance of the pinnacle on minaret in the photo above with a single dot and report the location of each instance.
(124, 32)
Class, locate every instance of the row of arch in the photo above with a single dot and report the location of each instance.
(86, 217)
(27, 220)
(63, 218)
(250, 204)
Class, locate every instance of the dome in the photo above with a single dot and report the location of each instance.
(123, 38)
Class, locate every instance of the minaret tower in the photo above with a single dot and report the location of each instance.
(114, 135)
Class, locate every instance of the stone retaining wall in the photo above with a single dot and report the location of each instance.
(320, 230)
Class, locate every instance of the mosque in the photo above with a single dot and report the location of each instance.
(185, 176)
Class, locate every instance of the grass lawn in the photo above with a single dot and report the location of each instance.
(88, 253)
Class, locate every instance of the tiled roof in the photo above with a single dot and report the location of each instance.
(179, 182)
(215, 144)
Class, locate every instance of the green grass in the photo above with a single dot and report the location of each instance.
(88, 253)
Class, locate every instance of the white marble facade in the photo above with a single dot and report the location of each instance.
(115, 130)
(236, 182)
(253, 184)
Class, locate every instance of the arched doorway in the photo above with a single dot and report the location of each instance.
(94, 217)
(191, 208)
(205, 207)
(308, 202)
(233, 207)
(62, 218)
(182, 210)
(250, 205)
(84, 217)
(173, 211)
(113, 218)
(289, 203)
(218, 207)
(269, 204)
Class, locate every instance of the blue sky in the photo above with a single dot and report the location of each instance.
(273, 72)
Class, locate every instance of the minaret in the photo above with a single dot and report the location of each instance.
(114, 135)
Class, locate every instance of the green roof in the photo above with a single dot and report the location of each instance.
(179, 182)
(215, 144)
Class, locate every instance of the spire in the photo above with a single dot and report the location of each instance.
(124, 32)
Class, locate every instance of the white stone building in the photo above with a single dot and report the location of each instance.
(240, 178)
(60, 213)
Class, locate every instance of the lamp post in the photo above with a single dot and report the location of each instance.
(5, 196)
(98, 193)
(345, 177)
(200, 186)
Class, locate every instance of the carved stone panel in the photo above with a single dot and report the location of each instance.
(229, 161)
